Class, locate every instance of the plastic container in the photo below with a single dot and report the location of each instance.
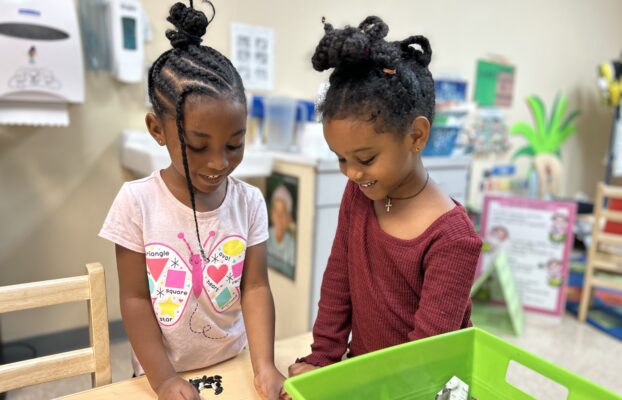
(418, 370)
(254, 127)
(279, 120)
(450, 91)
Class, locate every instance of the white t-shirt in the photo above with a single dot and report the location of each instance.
(196, 303)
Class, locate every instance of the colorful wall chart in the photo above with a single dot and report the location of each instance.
(538, 237)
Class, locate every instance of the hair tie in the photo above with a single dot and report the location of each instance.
(389, 71)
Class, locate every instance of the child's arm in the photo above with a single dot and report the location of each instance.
(449, 269)
(143, 329)
(258, 312)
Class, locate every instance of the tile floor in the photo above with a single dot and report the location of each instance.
(575, 346)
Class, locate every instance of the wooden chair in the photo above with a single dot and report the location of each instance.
(602, 262)
(94, 359)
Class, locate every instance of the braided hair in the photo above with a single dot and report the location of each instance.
(386, 83)
(190, 69)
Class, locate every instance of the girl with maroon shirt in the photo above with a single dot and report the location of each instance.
(404, 255)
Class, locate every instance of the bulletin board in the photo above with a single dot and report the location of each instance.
(537, 236)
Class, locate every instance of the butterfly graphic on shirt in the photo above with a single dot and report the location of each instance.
(174, 280)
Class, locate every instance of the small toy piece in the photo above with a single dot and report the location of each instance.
(455, 389)
(208, 382)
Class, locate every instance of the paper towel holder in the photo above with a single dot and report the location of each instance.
(42, 61)
(42, 55)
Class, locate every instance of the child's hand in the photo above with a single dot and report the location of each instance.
(300, 368)
(269, 383)
(177, 388)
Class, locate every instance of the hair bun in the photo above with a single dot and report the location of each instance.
(348, 46)
(423, 56)
(340, 46)
(191, 25)
(374, 27)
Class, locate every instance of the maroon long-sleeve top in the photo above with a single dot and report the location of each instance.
(386, 290)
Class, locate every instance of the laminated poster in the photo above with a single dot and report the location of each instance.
(537, 236)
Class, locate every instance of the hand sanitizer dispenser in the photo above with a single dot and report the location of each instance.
(114, 32)
(125, 19)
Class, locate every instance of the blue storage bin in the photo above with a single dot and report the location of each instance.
(441, 141)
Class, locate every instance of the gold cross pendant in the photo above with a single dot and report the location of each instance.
(388, 204)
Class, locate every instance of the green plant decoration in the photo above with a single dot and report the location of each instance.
(545, 136)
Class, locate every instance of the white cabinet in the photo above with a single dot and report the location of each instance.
(451, 174)
(330, 186)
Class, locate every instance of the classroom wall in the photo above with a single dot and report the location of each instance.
(57, 184)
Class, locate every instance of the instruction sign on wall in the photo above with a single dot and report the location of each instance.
(252, 54)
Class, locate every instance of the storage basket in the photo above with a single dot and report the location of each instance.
(418, 370)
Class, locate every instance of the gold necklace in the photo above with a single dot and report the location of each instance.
(389, 203)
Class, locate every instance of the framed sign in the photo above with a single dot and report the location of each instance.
(537, 236)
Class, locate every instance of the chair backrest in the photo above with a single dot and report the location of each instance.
(94, 359)
(607, 221)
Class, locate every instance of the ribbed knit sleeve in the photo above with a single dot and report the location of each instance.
(333, 323)
(449, 268)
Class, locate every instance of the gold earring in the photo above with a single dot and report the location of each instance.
(417, 149)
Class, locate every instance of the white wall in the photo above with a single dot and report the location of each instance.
(57, 184)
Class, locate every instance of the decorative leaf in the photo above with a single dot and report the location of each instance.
(545, 136)
(524, 129)
(555, 145)
(569, 119)
(559, 109)
(525, 151)
(566, 133)
(538, 113)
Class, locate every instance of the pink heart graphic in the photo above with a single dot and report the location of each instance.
(217, 273)
(236, 269)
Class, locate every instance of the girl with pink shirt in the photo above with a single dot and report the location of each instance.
(190, 239)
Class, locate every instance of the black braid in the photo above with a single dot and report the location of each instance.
(186, 67)
(387, 83)
(155, 71)
(190, 69)
(182, 140)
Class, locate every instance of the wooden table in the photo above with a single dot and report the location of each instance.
(237, 376)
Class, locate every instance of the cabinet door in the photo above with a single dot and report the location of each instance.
(325, 228)
(330, 187)
(453, 181)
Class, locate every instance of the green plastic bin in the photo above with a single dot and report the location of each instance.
(418, 370)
